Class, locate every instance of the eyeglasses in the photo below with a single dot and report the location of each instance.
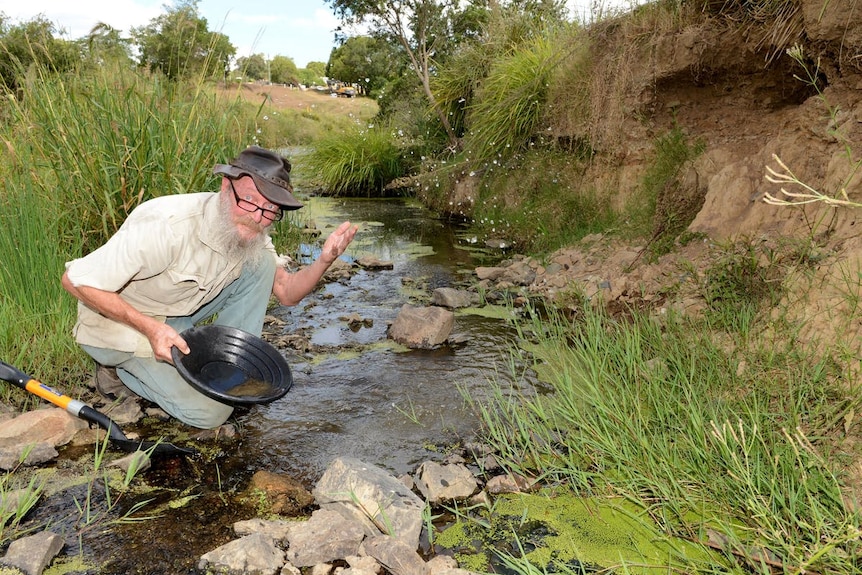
(246, 205)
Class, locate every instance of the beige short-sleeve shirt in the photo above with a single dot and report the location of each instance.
(163, 261)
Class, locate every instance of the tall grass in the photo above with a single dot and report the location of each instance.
(509, 106)
(357, 161)
(83, 151)
(663, 413)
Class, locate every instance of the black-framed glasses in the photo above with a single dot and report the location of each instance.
(251, 208)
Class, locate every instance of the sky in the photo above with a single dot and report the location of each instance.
(300, 29)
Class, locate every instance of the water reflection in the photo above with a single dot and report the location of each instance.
(385, 405)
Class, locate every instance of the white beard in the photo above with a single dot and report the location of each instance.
(228, 239)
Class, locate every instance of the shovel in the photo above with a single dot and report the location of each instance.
(82, 410)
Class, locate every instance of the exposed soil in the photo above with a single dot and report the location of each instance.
(285, 97)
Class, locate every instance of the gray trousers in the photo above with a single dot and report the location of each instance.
(242, 304)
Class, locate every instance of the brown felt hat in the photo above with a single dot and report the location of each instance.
(270, 172)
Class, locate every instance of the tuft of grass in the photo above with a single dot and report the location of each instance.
(510, 102)
(83, 152)
(666, 204)
(358, 161)
(660, 412)
(535, 202)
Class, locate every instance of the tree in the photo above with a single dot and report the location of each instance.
(254, 67)
(179, 43)
(363, 60)
(30, 43)
(283, 70)
(420, 27)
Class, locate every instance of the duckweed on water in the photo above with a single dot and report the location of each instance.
(555, 529)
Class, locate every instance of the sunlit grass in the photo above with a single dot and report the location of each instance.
(660, 412)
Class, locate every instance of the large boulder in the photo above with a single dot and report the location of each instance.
(422, 327)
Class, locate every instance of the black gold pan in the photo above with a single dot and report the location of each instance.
(80, 409)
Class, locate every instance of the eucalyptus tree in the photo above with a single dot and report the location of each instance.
(254, 67)
(420, 27)
(283, 70)
(179, 43)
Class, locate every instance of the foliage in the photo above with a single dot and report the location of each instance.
(180, 44)
(420, 27)
(744, 281)
(363, 60)
(704, 436)
(358, 161)
(32, 43)
(313, 74)
(105, 46)
(509, 105)
(254, 67)
(535, 204)
(282, 70)
(666, 204)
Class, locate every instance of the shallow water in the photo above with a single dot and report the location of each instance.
(383, 404)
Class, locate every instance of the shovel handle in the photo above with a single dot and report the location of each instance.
(74, 407)
(20, 379)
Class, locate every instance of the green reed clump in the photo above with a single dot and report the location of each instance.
(509, 104)
(357, 161)
(702, 437)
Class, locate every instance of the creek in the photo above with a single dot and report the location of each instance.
(358, 394)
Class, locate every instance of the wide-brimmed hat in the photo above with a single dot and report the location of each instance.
(270, 172)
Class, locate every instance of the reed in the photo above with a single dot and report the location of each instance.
(359, 160)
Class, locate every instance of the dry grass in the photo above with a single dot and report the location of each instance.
(284, 98)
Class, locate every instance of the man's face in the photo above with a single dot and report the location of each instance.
(250, 212)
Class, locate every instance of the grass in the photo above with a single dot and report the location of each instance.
(360, 160)
(661, 413)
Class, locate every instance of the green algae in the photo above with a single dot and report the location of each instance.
(71, 564)
(489, 311)
(584, 533)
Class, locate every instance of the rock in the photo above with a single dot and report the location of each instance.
(398, 557)
(53, 425)
(364, 563)
(490, 273)
(326, 536)
(451, 298)
(370, 495)
(422, 327)
(33, 553)
(372, 263)
(286, 496)
(254, 553)
(276, 530)
(138, 461)
(440, 483)
(27, 454)
(127, 410)
(508, 484)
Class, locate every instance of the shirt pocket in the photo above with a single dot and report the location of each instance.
(181, 289)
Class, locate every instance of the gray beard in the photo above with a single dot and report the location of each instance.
(228, 240)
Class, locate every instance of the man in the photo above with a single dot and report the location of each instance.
(179, 260)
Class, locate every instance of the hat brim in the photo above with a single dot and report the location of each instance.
(275, 194)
